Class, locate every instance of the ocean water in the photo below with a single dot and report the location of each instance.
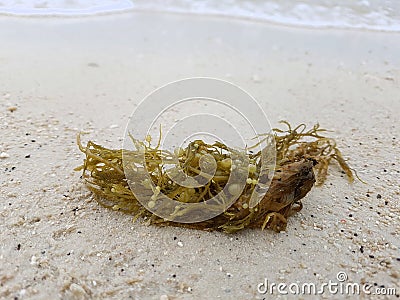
(380, 15)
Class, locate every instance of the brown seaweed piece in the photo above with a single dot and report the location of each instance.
(293, 179)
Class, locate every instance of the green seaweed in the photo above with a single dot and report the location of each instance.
(299, 152)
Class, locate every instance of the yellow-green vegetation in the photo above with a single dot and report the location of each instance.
(302, 160)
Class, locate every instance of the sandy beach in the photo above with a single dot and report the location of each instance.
(62, 76)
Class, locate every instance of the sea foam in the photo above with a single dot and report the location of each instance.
(381, 15)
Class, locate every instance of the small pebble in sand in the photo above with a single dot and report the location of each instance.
(180, 244)
(4, 155)
(93, 65)
(164, 297)
(113, 126)
(33, 260)
(12, 108)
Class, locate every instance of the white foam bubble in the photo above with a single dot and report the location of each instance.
(62, 7)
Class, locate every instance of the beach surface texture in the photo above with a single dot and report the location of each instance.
(62, 76)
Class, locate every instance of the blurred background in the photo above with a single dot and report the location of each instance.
(368, 14)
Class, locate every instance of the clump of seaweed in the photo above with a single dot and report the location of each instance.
(299, 152)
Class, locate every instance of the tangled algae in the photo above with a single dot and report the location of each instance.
(302, 160)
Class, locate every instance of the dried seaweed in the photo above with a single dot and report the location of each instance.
(299, 152)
